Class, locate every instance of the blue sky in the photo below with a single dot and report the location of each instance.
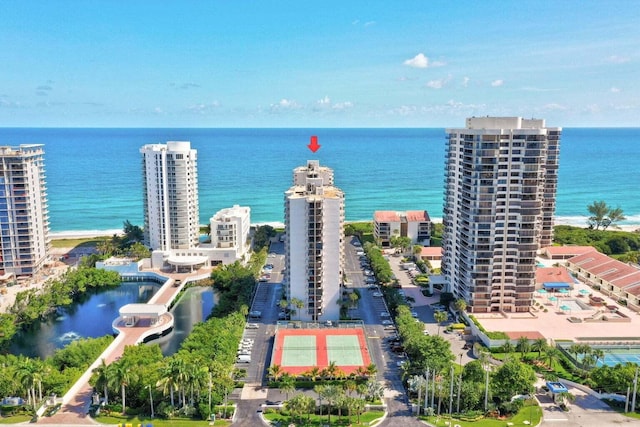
(317, 63)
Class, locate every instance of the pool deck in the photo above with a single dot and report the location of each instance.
(555, 324)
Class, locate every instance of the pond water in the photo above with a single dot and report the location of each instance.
(194, 306)
(93, 315)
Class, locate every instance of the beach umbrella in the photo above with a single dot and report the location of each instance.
(565, 307)
(564, 291)
(552, 298)
(541, 291)
(585, 291)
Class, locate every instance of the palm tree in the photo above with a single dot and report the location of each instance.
(297, 303)
(123, 375)
(349, 386)
(539, 345)
(523, 346)
(374, 389)
(598, 353)
(598, 211)
(274, 371)
(25, 373)
(287, 385)
(357, 405)
(460, 305)
(371, 370)
(331, 370)
(103, 373)
(331, 394)
(507, 347)
(440, 317)
(552, 356)
(615, 215)
(299, 405)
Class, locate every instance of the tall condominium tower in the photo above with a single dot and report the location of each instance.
(314, 220)
(24, 214)
(500, 189)
(170, 184)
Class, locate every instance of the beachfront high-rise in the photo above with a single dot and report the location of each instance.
(170, 185)
(500, 190)
(314, 224)
(24, 212)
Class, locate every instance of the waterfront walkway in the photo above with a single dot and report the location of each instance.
(76, 402)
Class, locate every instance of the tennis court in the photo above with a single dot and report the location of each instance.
(300, 350)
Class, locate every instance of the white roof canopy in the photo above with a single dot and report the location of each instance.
(146, 310)
(187, 260)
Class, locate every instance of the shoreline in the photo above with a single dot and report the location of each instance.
(87, 234)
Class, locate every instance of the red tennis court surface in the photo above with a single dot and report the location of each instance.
(300, 350)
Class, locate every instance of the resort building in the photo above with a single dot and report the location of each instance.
(415, 225)
(314, 220)
(611, 277)
(230, 229)
(170, 185)
(500, 189)
(24, 212)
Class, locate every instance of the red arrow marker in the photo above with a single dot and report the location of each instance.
(314, 146)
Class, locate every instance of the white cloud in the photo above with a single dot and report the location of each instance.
(616, 59)
(203, 108)
(439, 83)
(285, 105)
(324, 101)
(615, 90)
(418, 61)
(497, 83)
(554, 107)
(158, 110)
(465, 81)
(369, 23)
(342, 105)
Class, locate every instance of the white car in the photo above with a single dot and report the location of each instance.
(252, 326)
(384, 314)
(386, 322)
(377, 294)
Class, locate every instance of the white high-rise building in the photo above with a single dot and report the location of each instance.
(500, 189)
(24, 212)
(170, 183)
(230, 229)
(314, 224)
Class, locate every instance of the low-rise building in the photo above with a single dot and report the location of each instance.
(564, 252)
(413, 224)
(611, 277)
(230, 242)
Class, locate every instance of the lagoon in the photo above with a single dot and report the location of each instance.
(93, 315)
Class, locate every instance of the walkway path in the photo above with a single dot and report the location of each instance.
(76, 402)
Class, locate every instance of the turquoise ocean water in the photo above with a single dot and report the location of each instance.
(94, 176)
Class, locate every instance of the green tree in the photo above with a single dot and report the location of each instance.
(133, 233)
(123, 375)
(615, 215)
(539, 345)
(598, 211)
(512, 378)
(440, 317)
(262, 236)
(507, 347)
(300, 405)
(523, 346)
(102, 375)
(275, 371)
(551, 356)
(298, 304)
(287, 384)
(460, 305)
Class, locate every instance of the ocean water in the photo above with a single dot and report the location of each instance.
(94, 176)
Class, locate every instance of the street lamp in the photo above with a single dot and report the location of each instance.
(150, 399)
(459, 385)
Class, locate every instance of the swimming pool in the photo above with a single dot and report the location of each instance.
(574, 305)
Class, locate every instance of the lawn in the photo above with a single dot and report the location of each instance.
(16, 419)
(157, 422)
(317, 420)
(87, 242)
(528, 415)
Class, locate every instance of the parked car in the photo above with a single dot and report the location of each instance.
(377, 294)
(252, 326)
(386, 322)
(255, 313)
